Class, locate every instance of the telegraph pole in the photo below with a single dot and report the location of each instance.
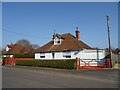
(108, 26)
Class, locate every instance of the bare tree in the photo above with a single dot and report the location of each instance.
(35, 46)
(24, 42)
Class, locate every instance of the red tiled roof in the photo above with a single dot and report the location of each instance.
(14, 48)
(27, 50)
(10, 46)
(18, 48)
(69, 43)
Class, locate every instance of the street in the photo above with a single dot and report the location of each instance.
(37, 77)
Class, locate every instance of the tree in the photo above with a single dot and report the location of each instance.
(24, 42)
(35, 46)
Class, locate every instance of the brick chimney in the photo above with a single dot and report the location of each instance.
(77, 33)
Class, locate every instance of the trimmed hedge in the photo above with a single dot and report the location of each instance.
(20, 55)
(3, 60)
(67, 64)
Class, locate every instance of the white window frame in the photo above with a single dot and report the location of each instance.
(42, 55)
(56, 41)
(67, 54)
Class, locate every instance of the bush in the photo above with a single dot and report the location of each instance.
(20, 55)
(67, 64)
(3, 60)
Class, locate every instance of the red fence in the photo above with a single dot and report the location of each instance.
(11, 61)
(92, 63)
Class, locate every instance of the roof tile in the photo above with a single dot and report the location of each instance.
(69, 43)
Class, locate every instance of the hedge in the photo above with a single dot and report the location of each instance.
(3, 60)
(66, 64)
(20, 55)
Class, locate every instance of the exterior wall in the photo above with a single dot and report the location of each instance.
(115, 58)
(7, 48)
(91, 54)
(8, 56)
(59, 55)
(48, 55)
(37, 55)
(84, 54)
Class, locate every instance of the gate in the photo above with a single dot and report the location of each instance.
(11, 61)
(92, 63)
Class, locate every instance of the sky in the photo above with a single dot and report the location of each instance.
(37, 21)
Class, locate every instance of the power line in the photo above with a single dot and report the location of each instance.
(22, 34)
(81, 21)
(17, 33)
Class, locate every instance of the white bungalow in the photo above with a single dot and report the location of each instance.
(67, 46)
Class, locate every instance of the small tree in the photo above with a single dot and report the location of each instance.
(35, 46)
(23, 42)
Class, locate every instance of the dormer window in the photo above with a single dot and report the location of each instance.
(57, 41)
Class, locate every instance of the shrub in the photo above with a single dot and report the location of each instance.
(67, 64)
(20, 55)
(3, 60)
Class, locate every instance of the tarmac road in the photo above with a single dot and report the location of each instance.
(37, 77)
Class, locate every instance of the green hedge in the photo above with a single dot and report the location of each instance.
(4, 59)
(67, 64)
(20, 55)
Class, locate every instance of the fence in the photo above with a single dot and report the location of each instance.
(115, 59)
(10, 61)
(92, 63)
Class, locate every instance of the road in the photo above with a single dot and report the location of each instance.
(34, 77)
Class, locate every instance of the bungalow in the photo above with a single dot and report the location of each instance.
(67, 46)
(17, 48)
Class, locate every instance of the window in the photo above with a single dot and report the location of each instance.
(67, 54)
(42, 55)
(57, 41)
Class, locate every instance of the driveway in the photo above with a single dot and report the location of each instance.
(38, 77)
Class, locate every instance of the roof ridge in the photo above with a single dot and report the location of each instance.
(65, 34)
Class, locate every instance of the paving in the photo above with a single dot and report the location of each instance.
(116, 66)
(40, 77)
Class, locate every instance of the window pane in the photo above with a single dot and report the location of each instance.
(42, 54)
(57, 41)
(66, 54)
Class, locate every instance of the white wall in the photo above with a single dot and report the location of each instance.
(91, 54)
(8, 56)
(59, 55)
(37, 55)
(85, 54)
(7, 48)
(48, 55)
(114, 58)
(11, 56)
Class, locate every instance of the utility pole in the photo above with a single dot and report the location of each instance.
(108, 26)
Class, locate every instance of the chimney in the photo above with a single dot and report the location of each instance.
(77, 33)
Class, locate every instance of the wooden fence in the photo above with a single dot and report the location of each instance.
(92, 63)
